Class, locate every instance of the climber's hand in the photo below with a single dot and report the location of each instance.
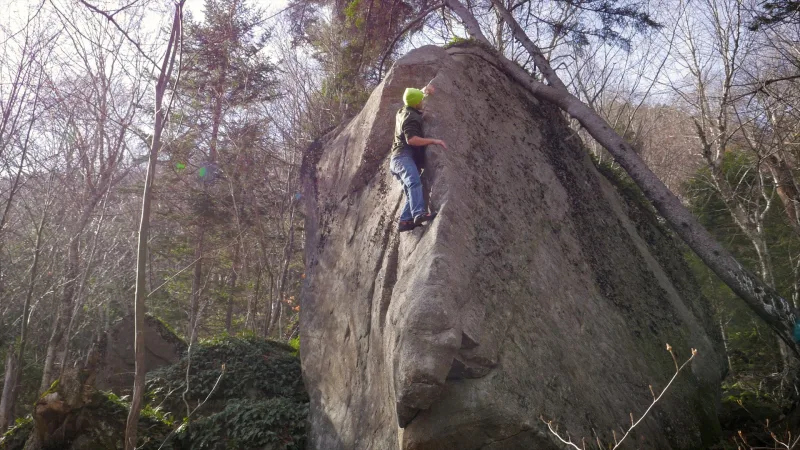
(441, 142)
(428, 90)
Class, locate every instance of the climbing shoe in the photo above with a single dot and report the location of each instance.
(427, 217)
(406, 225)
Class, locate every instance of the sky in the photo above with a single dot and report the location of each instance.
(15, 15)
(270, 6)
(15, 12)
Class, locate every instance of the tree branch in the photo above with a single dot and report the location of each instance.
(110, 18)
(678, 370)
(420, 17)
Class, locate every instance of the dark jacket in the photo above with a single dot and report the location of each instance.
(408, 123)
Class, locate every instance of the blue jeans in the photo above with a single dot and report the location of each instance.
(403, 168)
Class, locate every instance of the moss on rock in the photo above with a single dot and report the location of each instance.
(14, 438)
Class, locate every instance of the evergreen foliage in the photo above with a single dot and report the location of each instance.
(15, 437)
(775, 12)
(277, 423)
(254, 368)
(752, 392)
(97, 425)
(258, 401)
(754, 389)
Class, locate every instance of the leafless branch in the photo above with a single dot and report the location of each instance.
(110, 18)
(390, 48)
(568, 440)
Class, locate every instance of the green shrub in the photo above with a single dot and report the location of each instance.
(259, 400)
(259, 403)
(295, 344)
(277, 423)
(254, 369)
(14, 438)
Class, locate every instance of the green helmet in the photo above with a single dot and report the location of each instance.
(412, 97)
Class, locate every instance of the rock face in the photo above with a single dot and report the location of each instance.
(162, 348)
(539, 290)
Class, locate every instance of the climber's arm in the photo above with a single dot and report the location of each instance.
(412, 129)
(417, 141)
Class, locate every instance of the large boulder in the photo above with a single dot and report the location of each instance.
(118, 363)
(540, 290)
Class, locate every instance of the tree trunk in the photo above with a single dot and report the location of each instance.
(252, 304)
(49, 357)
(81, 287)
(64, 313)
(749, 222)
(15, 185)
(197, 279)
(16, 355)
(751, 225)
(269, 306)
(197, 284)
(787, 189)
(764, 259)
(498, 33)
(235, 263)
(131, 425)
(288, 250)
(9, 388)
(766, 303)
(725, 346)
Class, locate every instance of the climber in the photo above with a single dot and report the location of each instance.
(407, 155)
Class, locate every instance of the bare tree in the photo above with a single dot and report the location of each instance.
(24, 56)
(15, 357)
(161, 113)
(98, 117)
(728, 43)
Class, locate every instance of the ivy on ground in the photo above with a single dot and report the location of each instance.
(277, 423)
(254, 368)
(250, 392)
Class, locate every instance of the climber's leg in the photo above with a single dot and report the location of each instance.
(404, 168)
(406, 216)
(406, 219)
